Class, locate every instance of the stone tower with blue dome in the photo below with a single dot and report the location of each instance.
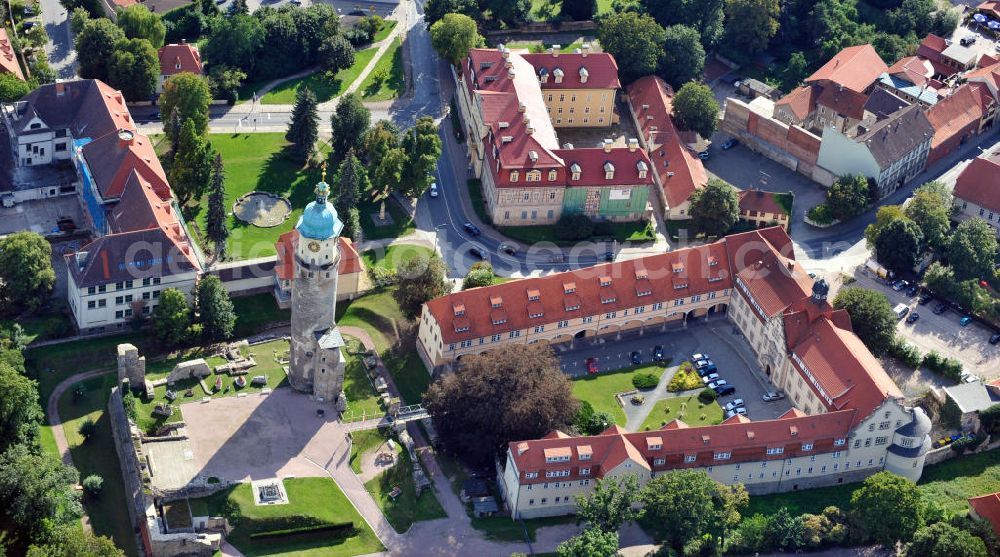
(317, 365)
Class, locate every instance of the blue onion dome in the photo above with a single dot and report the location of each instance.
(319, 221)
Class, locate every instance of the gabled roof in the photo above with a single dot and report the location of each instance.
(177, 58)
(760, 201)
(140, 208)
(971, 397)
(979, 183)
(987, 74)
(592, 163)
(350, 262)
(883, 103)
(8, 58)
(956, 112)
(913, 69)
(601, 69)
(801, 101)
(112, 158)
(88, 107)
(895, 137)
(854, 68)
(151, 252)
(775, 282)
(988, 509)
(843, 101)
(679, 171)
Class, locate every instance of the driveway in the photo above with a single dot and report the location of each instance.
(942, 333)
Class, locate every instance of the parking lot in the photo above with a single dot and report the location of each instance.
(727, 349)
(943, 333)
(41, 215)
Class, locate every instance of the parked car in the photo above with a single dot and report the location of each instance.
(740, 411)
(724, 390)
(508, 248)
(478, 252)
(994, 338)
(707, 370)
(696, 357)
(472, 229)
(635, 357)
(703, 155)
(912, 290)
(592, 365)
(967, 377)
(715, 385)
(434, 189)
(736, 403)
(900, 310)
(924, 298)
(899, 285)
(609, 256)
(965, 320)
(710, 378)
(940, 308)
(969, 40)
(729, 144)
(773, 395)
(913, 318)
(657, 353)
(703, 363)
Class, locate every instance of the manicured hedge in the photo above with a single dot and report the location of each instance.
(707, 395)
(645, 381)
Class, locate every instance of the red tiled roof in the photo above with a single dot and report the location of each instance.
(846, 102)
(931, 47)
(177, 58)
(760, 201)
(801, 101)
(141, 208)
(775, 282)
(680, 173)
(592, 163)
(988, 74)
(913, 69)
(854, 68)
(979, 183)
(118, 257)
(743, 439)
(990, 8)
(953, 114)
(350, 262)
(8, 58)
(601, 68)
(113, 157)
(988, 509)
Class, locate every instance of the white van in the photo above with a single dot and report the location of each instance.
(901, 310)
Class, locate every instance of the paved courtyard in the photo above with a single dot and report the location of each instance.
(40, 215)
(262, 436)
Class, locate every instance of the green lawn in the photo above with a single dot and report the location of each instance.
(379, 314)
(395, 256)
(685, 408)
(407, 508)
(390, 68)
(599, 390)
(322, 85)
(312, 501)
(255, 313)
(401, 225)
(41, 327)
(365, 441)
(258, 162)
(544, 10)
(108, 513)
(362, 399)
(539, 47)
(383, 33)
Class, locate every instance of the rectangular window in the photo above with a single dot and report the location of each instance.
(91, 304)
(775, 450)
(118, 314)
(722, 455)
(91, 290)
(690, 458)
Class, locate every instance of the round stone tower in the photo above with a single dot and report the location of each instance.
(910, 443)
(317, 366)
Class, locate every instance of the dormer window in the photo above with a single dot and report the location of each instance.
(496, 302)
(499, 321)
(514, 175)
(533, 295)
(641, 274)
(839, 442)
(584, 74)
(462, 329)
(543, 75)
(807, 446)
(558, 74)
(605, 281)
(553, 175)
(569, 287)
(534, 175)
(713, 261)
(459, 309)
(575, 171)
(677, 267)
(609, 171)
(643, 168)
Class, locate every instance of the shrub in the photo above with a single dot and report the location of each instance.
(906, 353)
(685, 379)
(87, 429)
(945, 367)
(93, 485)
(644, 381)
(128, 401)
(968, 443)
(707, 395)
(820, 214)
(381, 277)
(574, 227)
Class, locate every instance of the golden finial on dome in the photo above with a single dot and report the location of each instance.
(323, 167)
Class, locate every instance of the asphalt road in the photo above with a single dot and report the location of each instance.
(62, 55)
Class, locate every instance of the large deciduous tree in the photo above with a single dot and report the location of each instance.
(191, 169)
(886, 214)
(715, 208)
(434, 10)
(72, 541)
(751, 24)
(590, 543)
(687, 504)
(889, 507)
(422, 148)
(579, 10)
(26, 274)
(95, 45)
(930, 208)
(635, 40)
(944, 540)
(898, 245)
(683, 56)
(480, 274)
(190, 96)
(336, 53)
(216, 224)
(215, 309)
(848, 196)
(12, 88)
(696, 109)
(171, 317)
(972, 250)
(379, 140)
(496, 398)
(349, 123)
(871, 317)
(609, 505)
(453, 35)
(420, 279)
(235, 42)
(36, 490)
(705, 16)
(303, 129)
(134, 69)
(137, 22)
(19, 410)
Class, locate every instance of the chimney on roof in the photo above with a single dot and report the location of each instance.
(633, 144)
(521, 107)
(607, 145)
(521, 448)
(125, 138)
(554, 51)
(60, 88)
(529, 129)
(585, 49)
(791, 266)
(508, 63)
(510, 73)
